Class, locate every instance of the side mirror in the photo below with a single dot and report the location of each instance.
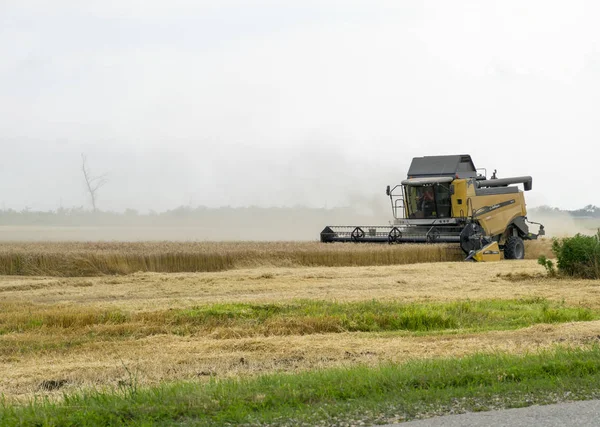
(387, 191)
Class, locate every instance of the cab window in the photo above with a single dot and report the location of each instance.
(428, 201)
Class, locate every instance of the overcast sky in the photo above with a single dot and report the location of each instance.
(282, 103)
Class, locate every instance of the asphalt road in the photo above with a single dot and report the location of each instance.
(585, 413)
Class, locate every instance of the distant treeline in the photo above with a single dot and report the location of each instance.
(182, 216)
(185, 215)
(589, 211)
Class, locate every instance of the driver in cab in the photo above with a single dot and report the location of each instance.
(425, 203)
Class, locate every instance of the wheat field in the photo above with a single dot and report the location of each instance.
(68, 333)
(64, 259)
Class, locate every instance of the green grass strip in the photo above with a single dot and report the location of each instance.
(378, 316)
(386, 393)
(307, 317)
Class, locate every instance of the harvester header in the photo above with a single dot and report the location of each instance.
(445, 199)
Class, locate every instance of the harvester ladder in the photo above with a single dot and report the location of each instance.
(399, 205)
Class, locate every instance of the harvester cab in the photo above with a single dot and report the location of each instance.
(445, 199)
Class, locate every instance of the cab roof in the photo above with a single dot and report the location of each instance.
(459, 165)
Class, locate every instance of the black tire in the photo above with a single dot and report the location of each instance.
(514, 248)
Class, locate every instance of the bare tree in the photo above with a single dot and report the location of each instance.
(93, 183)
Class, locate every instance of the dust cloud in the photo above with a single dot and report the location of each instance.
(240, 224)
(561, 224)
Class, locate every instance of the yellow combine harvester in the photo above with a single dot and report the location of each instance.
(446, 200)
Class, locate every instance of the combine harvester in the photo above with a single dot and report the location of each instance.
(446, 200)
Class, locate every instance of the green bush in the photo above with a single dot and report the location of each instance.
(548, 265)
(578, 256)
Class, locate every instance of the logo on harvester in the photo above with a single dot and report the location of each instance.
(487, 209)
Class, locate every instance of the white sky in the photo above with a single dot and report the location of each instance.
(272, 103)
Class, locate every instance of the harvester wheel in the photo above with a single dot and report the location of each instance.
(514, 248)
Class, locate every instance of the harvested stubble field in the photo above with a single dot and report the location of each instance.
(270, 313)
(92, 331)
(91, 259)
